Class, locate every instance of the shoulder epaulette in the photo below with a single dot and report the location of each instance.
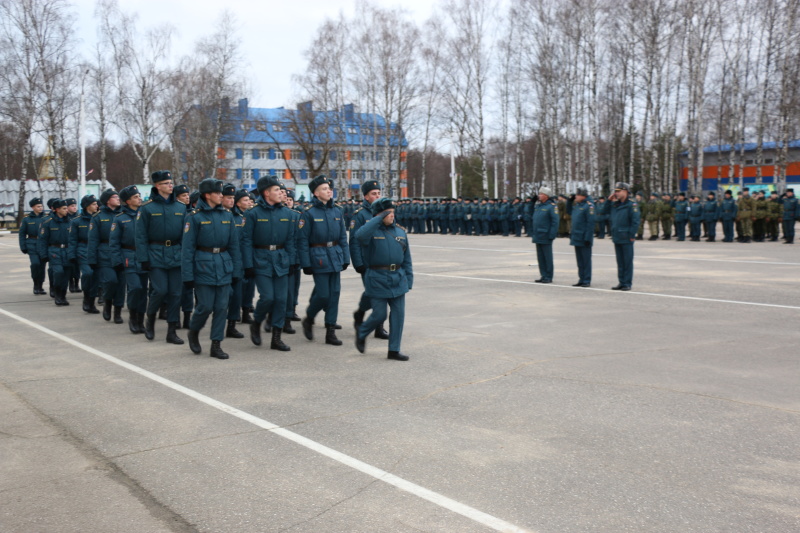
(357, 210)
(147, 202)
(401, 227)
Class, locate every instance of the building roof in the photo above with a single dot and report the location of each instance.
(748, 147)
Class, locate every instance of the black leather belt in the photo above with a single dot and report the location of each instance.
(328, 244)
(33, 237)
(268, 246)
(103, 241)
(126, 247)
(211, 250)
(83, 241)
(165, 243)
(391, 268)
(59, 245)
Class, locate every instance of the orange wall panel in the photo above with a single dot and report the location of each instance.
(221, 153)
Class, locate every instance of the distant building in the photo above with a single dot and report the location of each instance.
(296, 145)
(716, 161)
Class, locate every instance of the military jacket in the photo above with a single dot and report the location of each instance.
(791, 209)
(775, 209)
(386, 247)
(625, 218)
(322, 243)
(583, 219)
(695, 212)
(746, 207)
(210, 252)
(681, 211)
(728, 209)
(122, 240)
(269, 239)
(98, 253)
(53, 239)
(79, 238)
(761, 209)
(710, 211)
(359, 219)
(29, 232)
(545, 222)
(159, 231)
(667, 210)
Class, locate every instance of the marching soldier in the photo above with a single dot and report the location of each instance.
(711, 216)
(112, 283)
(728, 212)
(746, 214)
(122, 242)
(210, 257)
(158, 252)
(269, 254)
(625, 219)
(324, 254)
(582, 216)
(293, 280)
(791, 212)
(28, 235)
(74, 272)
(388, 277)
(183, 196)
(545, 230)
(235, 303)
(52, 245)
(78, 252)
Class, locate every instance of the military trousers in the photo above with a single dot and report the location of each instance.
(235, 303)
(788, 230)
(88, 279)
(60, 266)
(167, 288)
(37, 268)
(653, 226)
(293, 281)
(249, 293)
(112, 285)
(136, 286)
(504, 227)
(365, 302)
(518, 228)
(325, 296)
(443, 227)
(727, 230)
(694, 229)
(187, 299)
(711, 229)
(485, 227)
(666, 227)
(211, 299)
(747, 227)
(680, 229)
(544, 256)
(624, 253)
(583, 255)
(397, 316)
(469, 226)
(602, 228)
(272, 293)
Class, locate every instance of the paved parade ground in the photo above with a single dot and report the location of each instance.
(671, 408)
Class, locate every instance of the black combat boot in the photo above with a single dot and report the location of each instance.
(133, 323)
(277, 343)
(60, 297)
(187, 316)
(150, 327)
(88, 305)
(78, 285)
(140, 322)
(255, 333)
(361, 342)
(246, 318)
(268, 323)
(653, 238)
(358, 318)
(232, 332)
(308, 328)
(294, 317)
(330, 335)
(287, 327)
(381, 333)
(397, 356)
(107, 310)
(216, 350)
(72, 286)
(118, 314)
(172, 337)
(194, 341)
(52, 292)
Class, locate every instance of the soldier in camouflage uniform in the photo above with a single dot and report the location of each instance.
(747, 209)
(775, 215)
(667, 215)
(760, 218)
(652, 213)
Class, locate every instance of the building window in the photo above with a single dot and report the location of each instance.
(298, 154)
(352, 129)
(337, 129)
(247, 174)
(291, 128)
(263, 154)
(260, 126)
(278, 154)
(277, 127)
(769, 161)
(332, 155)
(231, 174)
(748, 161)
(366, 130)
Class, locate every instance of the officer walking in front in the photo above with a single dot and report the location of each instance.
(52, 245)
(581, 209)
(122, 242)
(268, 254)
(78, 252)
(389, 275)
(112, 283)
(324, 254)
(791, 212)
(158, 251)
(625, 218)
(29, 230)
(211, 258)
(545, 230)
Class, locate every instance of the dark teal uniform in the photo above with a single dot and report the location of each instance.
(601, 210)
(122, 243)
(52, 246)
(545, 229)
(711, 217)
(237, 290)
(268, 246)
(389, 276)
(361, 217)
(158, 247)
(625, 217)
(78, 252)
(210, 258)
(791, 212)
(293, 280)
(582, 236)
(503, 214)
(695, 219)
(112, 283)
(28, 235)
(681, 218)
(728, 211)
(322, 246)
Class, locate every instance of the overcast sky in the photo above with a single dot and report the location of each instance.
(274, 33)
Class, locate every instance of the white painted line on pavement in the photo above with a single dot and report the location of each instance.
(533, 251)
(8, 245)
(757, 304)
(488, 520)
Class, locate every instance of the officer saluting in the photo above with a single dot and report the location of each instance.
(324, 254)
(268, 247)
(625, 218)
(389, 275)
(52, 245)
(28, 235)
(210, 258)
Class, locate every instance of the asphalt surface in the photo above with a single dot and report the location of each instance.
(545, 408)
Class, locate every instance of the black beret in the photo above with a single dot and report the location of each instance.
(370, 185)
(71, 201)
(128, 192)
(50, 202)
(38, 201)
(380, 205)
(241, 193)
(319, 180)
(210, 185)
(229, 189)
(180, 189)
(265, 183)
(161, 175)
(107, 195)
(88, 200)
